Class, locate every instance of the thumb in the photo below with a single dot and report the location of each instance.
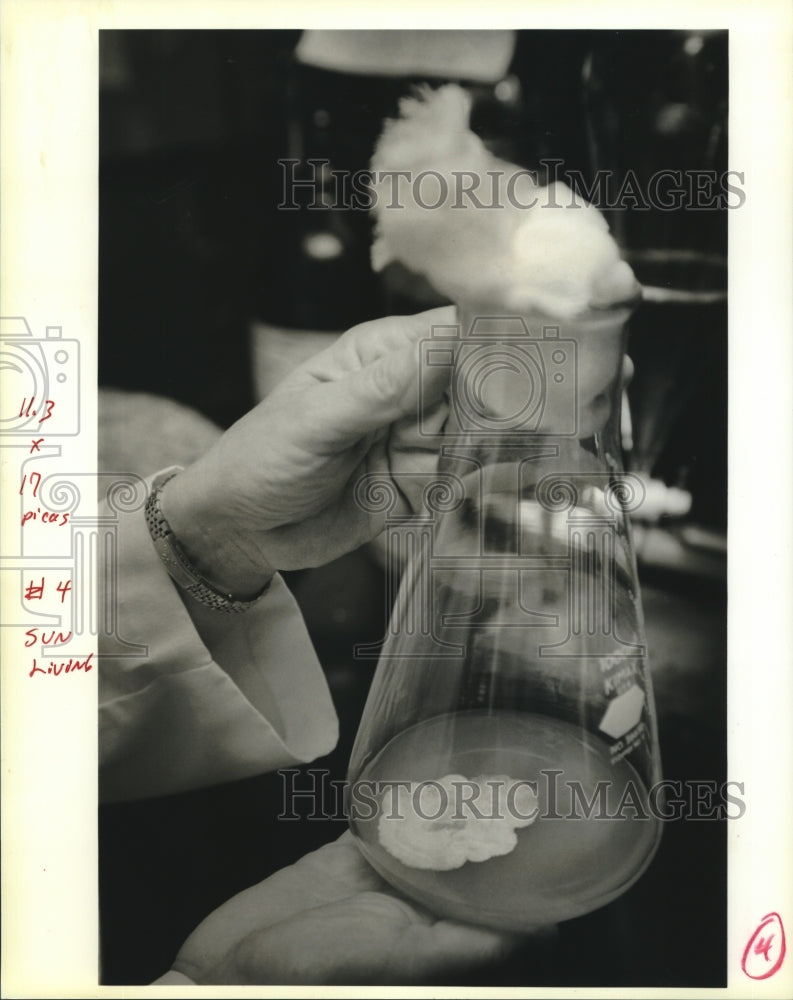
(451, 946)
(396, 385)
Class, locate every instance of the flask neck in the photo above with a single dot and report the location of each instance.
(528, 389)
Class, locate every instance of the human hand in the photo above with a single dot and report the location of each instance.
(330, 919)
(277, 490)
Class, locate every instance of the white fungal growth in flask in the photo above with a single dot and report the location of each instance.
(441, 825)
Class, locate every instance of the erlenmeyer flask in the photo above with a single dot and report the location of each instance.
(504, 766)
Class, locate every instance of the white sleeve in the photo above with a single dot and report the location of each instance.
(171, 718)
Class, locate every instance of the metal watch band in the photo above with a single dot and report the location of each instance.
(179, 567)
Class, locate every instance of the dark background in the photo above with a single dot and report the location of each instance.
(193, 249)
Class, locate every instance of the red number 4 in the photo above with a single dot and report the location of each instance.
(765, 949)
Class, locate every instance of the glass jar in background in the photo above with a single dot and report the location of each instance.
(656, 107)
(317, 280)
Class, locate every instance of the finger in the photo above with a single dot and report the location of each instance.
(626, 423)
(449, 947)
(409, 435)
(394, 332)
(333, 872)
(365, 343)
(626, 375)
(393, 386)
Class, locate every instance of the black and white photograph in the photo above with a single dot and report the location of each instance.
(416, 493)
(262, 195)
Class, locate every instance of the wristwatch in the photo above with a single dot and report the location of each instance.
(176, 562)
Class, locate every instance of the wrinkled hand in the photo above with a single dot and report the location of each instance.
(330, 919)
(277, 491)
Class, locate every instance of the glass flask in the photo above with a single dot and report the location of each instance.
(504, 766)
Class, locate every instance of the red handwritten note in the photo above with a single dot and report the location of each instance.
(765, 950)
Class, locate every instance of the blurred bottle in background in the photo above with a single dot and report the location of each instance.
(340, 87)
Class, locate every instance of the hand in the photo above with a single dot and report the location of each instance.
(330, 919)
(277, 490)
